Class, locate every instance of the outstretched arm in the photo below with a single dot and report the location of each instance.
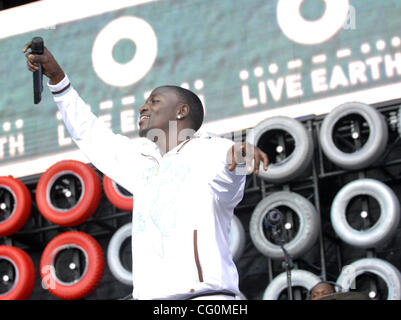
(234, 162)
(50, 67)
(115, 155)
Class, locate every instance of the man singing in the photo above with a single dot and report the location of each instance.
(186, 186)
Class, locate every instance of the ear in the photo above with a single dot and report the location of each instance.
(182, 111)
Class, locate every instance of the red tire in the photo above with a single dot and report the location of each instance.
(23, 274)
(61, 176)
(93, 269)
(15, 205)
(115, 196)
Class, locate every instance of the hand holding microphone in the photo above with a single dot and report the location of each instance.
(43, 63)
(37, 48)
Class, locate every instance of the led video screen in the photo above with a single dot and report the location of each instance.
(247, 60)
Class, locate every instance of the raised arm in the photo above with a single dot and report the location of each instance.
(50, 67)
(115, 155)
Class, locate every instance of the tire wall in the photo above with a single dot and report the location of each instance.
(354, 197)
(317, 193)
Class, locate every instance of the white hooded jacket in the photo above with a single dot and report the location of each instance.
(183, 202)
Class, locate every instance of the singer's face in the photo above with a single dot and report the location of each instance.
(158, 110)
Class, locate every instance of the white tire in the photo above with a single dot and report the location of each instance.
(113, 254)
(299, 278)
(309, 224)
(385, 270)
(297, 162)
(371, 151)
(382, 230)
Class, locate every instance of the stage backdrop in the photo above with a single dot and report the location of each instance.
(247, 60)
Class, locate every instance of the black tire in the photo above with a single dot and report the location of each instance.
(309, 224)
(298, 160)
(371, 151)
(384, 228)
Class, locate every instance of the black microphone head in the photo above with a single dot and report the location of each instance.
(274, 217)
(37, 45)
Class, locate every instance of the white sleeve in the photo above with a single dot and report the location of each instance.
(115, 155)
(228, 185)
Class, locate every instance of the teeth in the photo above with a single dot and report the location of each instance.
(144, 117)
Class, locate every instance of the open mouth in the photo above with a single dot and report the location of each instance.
(142, 118)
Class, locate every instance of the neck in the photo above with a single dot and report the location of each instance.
(169, 142)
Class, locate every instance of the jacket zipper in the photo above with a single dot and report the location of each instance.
(196, 254)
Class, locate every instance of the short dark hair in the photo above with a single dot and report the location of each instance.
(322, 282)
(196, 111)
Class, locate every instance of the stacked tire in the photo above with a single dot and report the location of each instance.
(72, 265)
(304, 239)
(15, 205)
(117, 195)
(68, 193)
(352, 137)
(367, 152)
(17, 272)
(361, 156)
(276, 136)
(290, 148)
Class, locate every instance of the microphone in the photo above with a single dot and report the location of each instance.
(37, 48)
(274, 218)
(273, 221)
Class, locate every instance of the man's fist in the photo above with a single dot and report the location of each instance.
(241, 153)
(50, 67)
